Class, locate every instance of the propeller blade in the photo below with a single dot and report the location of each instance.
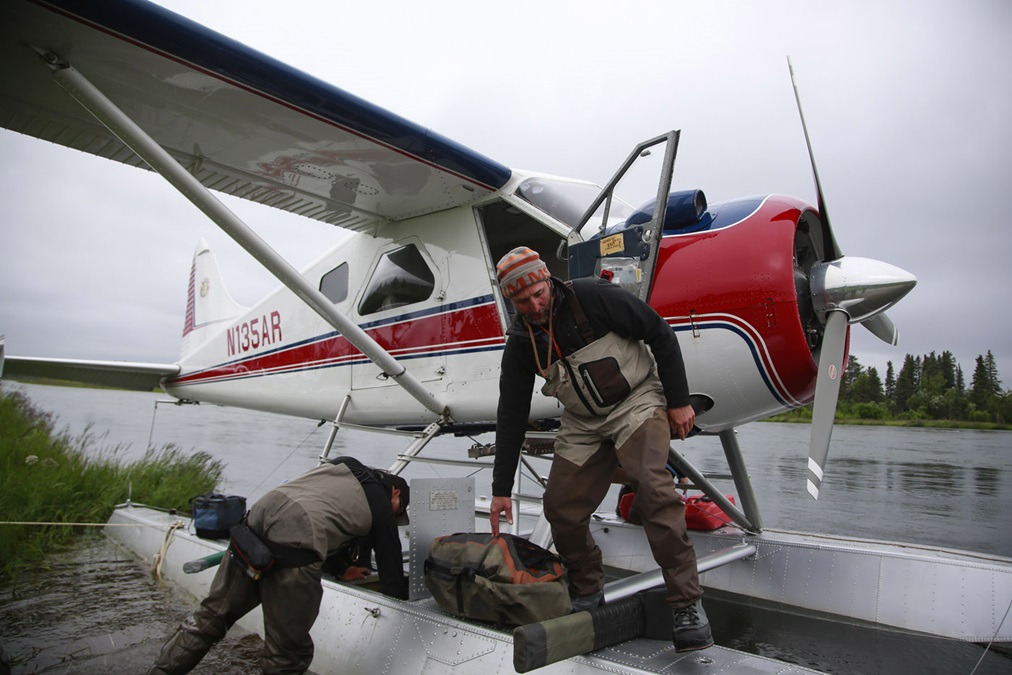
(830, 249)
(827, 393)
(883, 328)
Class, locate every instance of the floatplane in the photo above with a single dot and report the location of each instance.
(400, 327)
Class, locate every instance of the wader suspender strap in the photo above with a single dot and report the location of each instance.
(377, 495)
(362, 473)
(586, 332)
(371, 480)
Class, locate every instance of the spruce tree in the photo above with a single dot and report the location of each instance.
(994, 383)
(906, 383)
(980, 391)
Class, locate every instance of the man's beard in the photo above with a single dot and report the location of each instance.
(539, 318)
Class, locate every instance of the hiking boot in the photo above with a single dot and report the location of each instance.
(583, 603)
(691, 628)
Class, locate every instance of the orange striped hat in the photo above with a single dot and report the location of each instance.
(520, 269)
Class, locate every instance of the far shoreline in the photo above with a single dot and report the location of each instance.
(796, 416)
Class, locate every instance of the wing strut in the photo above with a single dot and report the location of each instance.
(114, 119)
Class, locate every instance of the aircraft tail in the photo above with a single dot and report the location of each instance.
(209, 307)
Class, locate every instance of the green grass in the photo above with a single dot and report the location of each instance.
(803, 415)
(53, 478)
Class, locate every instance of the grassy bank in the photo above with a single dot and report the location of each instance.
(804, 416)
(52, 478)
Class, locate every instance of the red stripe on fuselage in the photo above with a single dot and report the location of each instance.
(470, 328)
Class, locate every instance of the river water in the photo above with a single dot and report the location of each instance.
(97, 610)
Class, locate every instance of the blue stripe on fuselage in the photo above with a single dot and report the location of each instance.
(726, 214)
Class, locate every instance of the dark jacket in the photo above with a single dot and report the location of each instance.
(384, 537)
(608, 308)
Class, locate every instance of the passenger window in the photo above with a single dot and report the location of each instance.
(401, 278)
(334, 284)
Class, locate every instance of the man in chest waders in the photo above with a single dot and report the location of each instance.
(616, 367)
(301, 522)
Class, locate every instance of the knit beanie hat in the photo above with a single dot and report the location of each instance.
(520, 269)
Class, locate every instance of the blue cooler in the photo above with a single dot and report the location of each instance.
(214, 514)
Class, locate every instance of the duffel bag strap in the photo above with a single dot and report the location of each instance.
(454, 573)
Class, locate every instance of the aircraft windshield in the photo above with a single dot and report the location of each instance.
(566, 201)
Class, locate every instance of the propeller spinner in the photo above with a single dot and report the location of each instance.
(844, 291)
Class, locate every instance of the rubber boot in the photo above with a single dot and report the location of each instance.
(582, 604)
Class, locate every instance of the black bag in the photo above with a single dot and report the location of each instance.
(504, 579)
(215, 514)
(249, 552)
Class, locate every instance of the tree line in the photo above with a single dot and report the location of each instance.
(929, 387)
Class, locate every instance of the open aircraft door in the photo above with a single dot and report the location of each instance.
(399, 304)
(626, 251)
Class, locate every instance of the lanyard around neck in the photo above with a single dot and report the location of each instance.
(543, 371)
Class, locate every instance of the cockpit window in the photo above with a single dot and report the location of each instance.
(567, 202)
(401, 277)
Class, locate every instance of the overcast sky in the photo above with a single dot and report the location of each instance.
(909, 105)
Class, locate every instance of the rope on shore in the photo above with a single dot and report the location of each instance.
(156, 564)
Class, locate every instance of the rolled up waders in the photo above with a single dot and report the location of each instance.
(540, 644)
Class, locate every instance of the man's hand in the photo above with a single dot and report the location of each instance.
(681, 421)
(355, 574)
(500, 505)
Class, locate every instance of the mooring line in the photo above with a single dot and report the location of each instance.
(993, 638)
(286, 458)
(32, 522)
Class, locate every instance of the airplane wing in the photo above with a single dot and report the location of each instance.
(119, 374)
(241, 122)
